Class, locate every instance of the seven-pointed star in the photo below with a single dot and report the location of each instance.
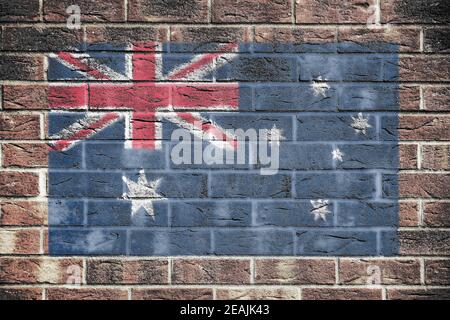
(320, 209)
(142, 189)
(360, 123)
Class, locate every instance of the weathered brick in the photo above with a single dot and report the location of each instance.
(257, 294)
(19, 126)
(86, 294)
(19, 11)
(297, 39)
(418, 68)
(436, 157)
(39, 270)
(408, 214)
(437, 272)
(208, 39)
(29, 155)
(359, 271)
(168, 11)
(91, 10)
(19, 184)
(20, 293)
(409, 97)
(295, 271)
(118, 38)
(41, 39)
(424, 242)
(436, 98)
(24, 241)
(415, 11)
(333, 11)
(408, 156)
(172, 294)
(119, 271)
(437, 214)
(23, 213)
(233, 11)
(363, 39)
(426, 128)
(199, 271)
(423, 185)
(21, 67)
(437, 40)
(418, 294)
(340, 294)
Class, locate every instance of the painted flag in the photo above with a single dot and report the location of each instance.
(331, 111)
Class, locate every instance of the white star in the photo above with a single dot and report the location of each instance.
(320, 209)
(320, 88)
(337, 154)
(360, 124)
(142, 188)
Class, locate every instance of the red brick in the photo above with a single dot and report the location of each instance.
(168, 11)
(19, 184)
(333, 11)
(426, 128)
(41, 38)
(19, 10)
(37, 270)
(126, 36)
(406, 38)
(23, 213)
(437, 272)
(408, 156)
(423, 68)
(199, 271)
(424, 242)
(436, 157)
(418, 294)
(25, 155)
(91, 10)
(361, 271)
(437, 214)
(214, 34)
(295, 271)
(408, 214)
(437, 98)
(257, 294)
(268, 11)
(18, 126)
(20, 294)
(121, 271)
(424, 185)
(297, 36)
(21, 67)
(414, 11)
(22, 241)
(341, 294)
(86, 294)
(409, 97)
(172, 294)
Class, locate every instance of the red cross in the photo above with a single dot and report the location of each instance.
(145, 96)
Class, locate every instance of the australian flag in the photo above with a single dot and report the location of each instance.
(115, 189)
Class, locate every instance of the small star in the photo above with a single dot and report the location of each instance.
(320, 209)
(320, 88)
(337, 154)
(139, 189)
(360, 123)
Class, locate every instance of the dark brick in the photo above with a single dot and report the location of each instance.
(418, 294)
(172, 294)
(418, 68)
(426, 243)
(333, 11)
(436, 98)
(437, 40)
(436, 214)
(192, 11)
(425, 128)
(268, 11)
(21, 67)
(41, 39)
(415, 11)
(19, 184)
(86, 294)
(424, 185)
(437, 272)
(19, 10)
(341, 294)
(20, 294)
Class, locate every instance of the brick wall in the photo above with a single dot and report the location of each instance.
(417, 29)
